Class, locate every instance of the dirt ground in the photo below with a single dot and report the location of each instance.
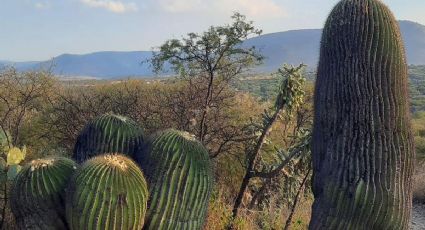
(418, 214)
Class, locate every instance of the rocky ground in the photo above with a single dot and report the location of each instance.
(418, 222)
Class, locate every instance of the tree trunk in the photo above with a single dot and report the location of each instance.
(362, 143)
(297, 198)
(202, 128)
(5, 203)
(253, 156)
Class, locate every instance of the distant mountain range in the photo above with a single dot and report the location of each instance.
(293, 47)
(303, 46)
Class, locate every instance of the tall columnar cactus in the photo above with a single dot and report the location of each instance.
(362, 144)
(178, 171)
(38, 193)
(108, 133)
(107, 192)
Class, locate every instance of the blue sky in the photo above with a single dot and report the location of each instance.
(42, 29)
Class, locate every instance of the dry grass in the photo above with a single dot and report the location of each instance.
(419, 182)
(219, 216)
(8, 219)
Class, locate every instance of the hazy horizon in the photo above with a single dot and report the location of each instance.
(34, 30)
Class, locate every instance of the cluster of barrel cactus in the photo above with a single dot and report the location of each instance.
(362, 149)
(108, 190)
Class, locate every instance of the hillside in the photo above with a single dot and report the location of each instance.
(299, 46)
(291, 47)
(265, 86)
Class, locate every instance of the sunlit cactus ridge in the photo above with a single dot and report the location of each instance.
(107, 192)
(362, 143)
(38, 193)
(178, 170)
(108, 133)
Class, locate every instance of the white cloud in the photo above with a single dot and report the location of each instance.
(110, 5)
(177, 6)
(252, 8)
(42, 5)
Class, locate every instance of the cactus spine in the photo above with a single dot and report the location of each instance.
(362, 144)
(107, 192)
(38, 193)
(178, 171)
(108, 133)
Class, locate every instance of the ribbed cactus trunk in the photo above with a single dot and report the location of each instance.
(362, 144)
(38, 193)
(108, 192)
(178, 171)
(108, 133)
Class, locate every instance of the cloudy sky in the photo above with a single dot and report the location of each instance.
(42, 29)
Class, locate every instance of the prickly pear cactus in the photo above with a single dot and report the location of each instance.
(14, 158)
(108, 133)
(362, 142)
(38, 193)
(178, 171)
(108, 192)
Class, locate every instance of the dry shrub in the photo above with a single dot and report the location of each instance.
(220, 213)
(302, 215)
(419, 182)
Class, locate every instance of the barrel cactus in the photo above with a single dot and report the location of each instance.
(178, 171)
(362, 143)
(107, 192)
(108, 133)
(38, 193)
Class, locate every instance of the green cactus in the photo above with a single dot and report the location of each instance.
(10, 158)
(38, 193)
(11, 166)
(5, 140)
(16, 155)
(3, 171)
(108, 133)
(107, 192)
(178, 171)
(362, 142)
